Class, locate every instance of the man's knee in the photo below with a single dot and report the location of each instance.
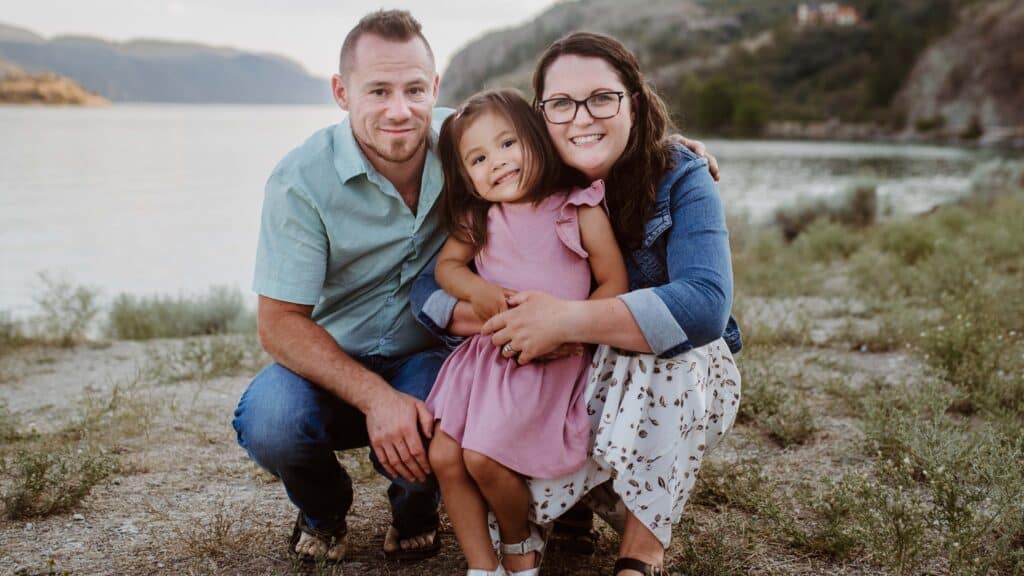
(279, 420)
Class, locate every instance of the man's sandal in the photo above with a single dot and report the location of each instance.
(634, 564)
(574, 532)
(414, 554)
(535, 542)
(331, 540)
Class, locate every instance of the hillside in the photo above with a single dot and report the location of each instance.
(161, 71)
(18, 87)
(746, 67)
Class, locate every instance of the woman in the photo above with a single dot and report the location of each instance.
(664, 387)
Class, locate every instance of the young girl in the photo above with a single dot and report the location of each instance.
(499, 422)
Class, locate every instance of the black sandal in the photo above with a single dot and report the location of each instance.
(634, 564)
(574, 532)
(330, 537)
(414, 554)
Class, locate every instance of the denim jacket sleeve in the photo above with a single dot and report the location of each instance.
(693, 308)
(432, 306)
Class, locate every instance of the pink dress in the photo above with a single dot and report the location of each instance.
(533, 418)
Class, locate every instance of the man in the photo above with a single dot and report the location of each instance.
(347, 225)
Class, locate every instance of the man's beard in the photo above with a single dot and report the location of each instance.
(398, 152)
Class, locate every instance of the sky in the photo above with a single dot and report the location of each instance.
(309, 31)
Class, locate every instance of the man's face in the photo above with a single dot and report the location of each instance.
(389, 93)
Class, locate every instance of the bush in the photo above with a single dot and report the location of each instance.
(221, 310)
(857, 209)
(67, 310)
(49, 482)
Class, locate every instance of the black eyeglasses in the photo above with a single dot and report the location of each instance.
(561, 110)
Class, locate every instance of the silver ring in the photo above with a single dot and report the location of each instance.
(509, 350)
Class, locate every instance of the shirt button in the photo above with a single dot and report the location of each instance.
(405, 265)
(383, 341)
(389, 299)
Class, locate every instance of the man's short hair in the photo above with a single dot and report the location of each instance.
(395, 25)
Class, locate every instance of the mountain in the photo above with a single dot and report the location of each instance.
(973, 79)
(162, 71)
(19, 87)
(753, 67)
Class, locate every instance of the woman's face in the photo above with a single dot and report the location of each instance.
(590, 145)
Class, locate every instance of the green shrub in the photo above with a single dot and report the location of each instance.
(221, 310)
(205, 358)
(771, 402)
(857, 209)
(825, 241)
(67, 310)
(51, 481)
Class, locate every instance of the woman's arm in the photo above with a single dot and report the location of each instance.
(690, 310)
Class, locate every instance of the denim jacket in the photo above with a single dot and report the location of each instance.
(680, 277)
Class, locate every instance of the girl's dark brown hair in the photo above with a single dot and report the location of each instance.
(632, 183)
(465, 212)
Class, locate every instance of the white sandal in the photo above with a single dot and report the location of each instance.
(535, 542)
(500, 571)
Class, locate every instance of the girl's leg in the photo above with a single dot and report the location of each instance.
(509, 498)
(462, 500)
(640, 543)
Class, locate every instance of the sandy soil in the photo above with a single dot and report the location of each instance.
(188, 501)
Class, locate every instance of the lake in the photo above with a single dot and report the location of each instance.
(165, 199)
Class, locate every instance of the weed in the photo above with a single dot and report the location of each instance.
(772, 403)
(67, 310)
(206, 358)
(221, 310)
(52, 481)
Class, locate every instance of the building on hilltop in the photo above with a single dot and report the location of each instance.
(827, 14)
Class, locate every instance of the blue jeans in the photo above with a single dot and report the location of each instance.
(292, 427)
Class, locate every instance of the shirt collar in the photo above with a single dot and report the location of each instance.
(349, 160)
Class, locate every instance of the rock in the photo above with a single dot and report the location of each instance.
(971, 83)
(47, 88)
(78, 518)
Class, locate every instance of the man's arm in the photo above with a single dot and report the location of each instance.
(290, 336)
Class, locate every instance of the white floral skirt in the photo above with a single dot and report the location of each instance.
(652, 420)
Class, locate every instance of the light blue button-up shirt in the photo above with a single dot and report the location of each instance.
(337, 235)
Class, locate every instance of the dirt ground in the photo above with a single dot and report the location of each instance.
(187, 500)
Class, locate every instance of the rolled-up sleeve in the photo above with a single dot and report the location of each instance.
(692, 309)
(291, 257)
(432, 306)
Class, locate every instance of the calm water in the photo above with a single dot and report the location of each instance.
(166, 199)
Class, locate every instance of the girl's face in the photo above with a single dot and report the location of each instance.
(588, 144)
(492, 156)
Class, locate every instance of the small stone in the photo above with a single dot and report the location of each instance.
(159, 564)
(29, 526)
(78, 518)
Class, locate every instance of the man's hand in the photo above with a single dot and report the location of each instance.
(393, 423)
(563, 351)
(698, 148)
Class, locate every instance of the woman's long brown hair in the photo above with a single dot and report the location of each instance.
(632, 183)
(465, 212)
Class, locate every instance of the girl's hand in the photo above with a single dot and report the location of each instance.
(536, 325)
(487, 300)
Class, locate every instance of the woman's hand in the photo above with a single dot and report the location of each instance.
(535, 325)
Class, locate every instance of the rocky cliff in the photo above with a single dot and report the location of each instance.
(18, 87)
(971, 83)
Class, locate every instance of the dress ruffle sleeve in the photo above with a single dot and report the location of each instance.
(567, 225)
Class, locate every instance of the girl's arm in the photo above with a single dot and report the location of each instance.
(455, 277)
(606, 261)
